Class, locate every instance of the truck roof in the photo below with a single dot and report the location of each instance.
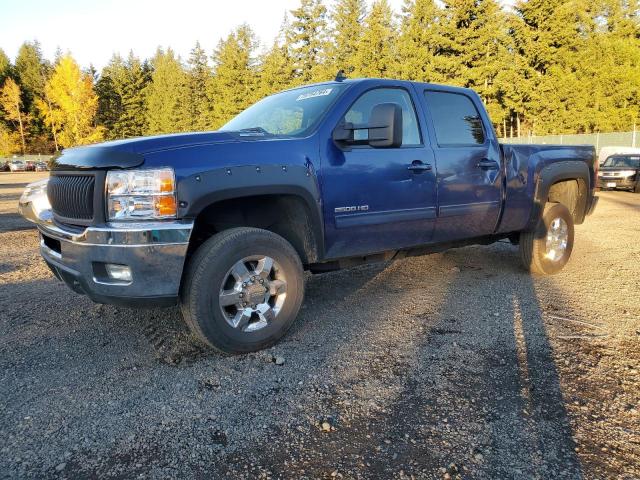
(389, 81)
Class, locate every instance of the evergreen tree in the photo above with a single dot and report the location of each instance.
(306, 40)
(346, 33)
(232, 87)
(198, 106)
(275, 71)
(419, 55)
(31, 70)
(110, 88)
(5, 66)
(133, 121)
(376, 50)
(166, 94)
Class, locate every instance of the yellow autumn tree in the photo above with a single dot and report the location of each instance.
(71, 106)
(12, 105)
(9, 143)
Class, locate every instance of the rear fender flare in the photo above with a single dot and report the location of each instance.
(553, 173)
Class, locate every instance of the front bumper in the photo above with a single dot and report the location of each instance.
(155, 252)
(616, 182)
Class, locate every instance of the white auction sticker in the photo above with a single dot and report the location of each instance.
(317, 93)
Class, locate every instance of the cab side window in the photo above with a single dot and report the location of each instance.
(455, 119)
(360, 112)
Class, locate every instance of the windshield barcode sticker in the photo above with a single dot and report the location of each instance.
(317, 93)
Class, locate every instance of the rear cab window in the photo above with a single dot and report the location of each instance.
(456, 120)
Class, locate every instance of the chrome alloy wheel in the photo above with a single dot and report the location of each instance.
(557, 239)
(252, 293)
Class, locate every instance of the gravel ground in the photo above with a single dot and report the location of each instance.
(454, 365)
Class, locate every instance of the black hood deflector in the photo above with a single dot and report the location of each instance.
(95, 158)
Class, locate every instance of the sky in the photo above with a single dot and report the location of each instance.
(92, 30)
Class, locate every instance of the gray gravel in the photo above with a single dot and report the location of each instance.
(455, 365)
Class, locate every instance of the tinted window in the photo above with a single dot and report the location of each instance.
(361, 111)
(622, 161)
(455, 119)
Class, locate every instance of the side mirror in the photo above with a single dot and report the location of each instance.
(385, 126)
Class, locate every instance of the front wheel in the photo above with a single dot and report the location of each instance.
(547, 249)
(242, 290)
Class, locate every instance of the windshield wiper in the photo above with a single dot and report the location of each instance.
(254, 131)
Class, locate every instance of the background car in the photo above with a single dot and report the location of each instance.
(4, 166)
(17, 166)
(620, 172)
(41, 167)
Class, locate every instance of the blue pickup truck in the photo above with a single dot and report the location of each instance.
(316, 178)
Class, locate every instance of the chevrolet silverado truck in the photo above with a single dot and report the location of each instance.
(316, 178)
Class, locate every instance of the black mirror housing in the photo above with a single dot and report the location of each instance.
(385, 126)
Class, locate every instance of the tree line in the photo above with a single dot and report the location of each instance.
(543, 66)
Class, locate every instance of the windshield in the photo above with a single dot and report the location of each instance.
(290, 113)
(622, 161)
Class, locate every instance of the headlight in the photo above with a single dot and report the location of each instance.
(627, 173)
(141, 194)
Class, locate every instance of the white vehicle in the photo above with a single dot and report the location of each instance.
(17, 166)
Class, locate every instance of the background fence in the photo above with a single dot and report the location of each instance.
(598, 140)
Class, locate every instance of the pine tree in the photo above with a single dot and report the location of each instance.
(306, 40)
(5, 66)
(376, 50)
(31, 70)
(198, 105)
(110, 88)
(73, 104)
(419, 44)
(346, 33)
(275, 71)
(232, 87)
(166, 94)
(11, 103)
(475, 47)
(133, 121)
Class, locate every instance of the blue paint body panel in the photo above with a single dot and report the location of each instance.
(363, 200)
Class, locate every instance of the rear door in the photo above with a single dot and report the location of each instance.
(469, 170)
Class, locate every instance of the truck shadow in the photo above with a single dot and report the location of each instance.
(422, 364)
(476, 394)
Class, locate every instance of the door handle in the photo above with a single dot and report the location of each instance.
(418, 166)
(487, 164)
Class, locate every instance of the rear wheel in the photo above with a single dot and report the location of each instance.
(242, 290)
(547, 249)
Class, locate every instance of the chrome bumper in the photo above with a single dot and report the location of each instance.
(155, 252)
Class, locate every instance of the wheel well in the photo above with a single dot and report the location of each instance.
(572, 194)
(285, 215)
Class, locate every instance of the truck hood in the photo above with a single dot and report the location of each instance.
(131, 152)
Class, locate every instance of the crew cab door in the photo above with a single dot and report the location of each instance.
(469, 166)
(378, 199)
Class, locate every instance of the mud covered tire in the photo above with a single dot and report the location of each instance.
(537, 250)
(208, 274)
(637, 187)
